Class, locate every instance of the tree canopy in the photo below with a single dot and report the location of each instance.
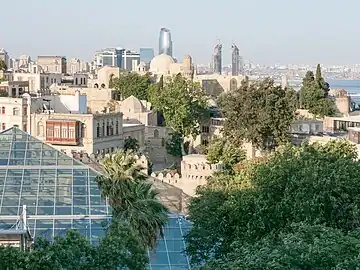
(183, 104)
(131, 84)
(225, 152)
(296, 208)
(131, 144)
(3, 65)
(314, 95)
(259, 112)
(119, 248)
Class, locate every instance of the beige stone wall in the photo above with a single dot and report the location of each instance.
(13, 112)
(343, 104)
(136, 131)
(89, 143)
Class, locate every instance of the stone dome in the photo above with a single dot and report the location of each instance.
(161, 64)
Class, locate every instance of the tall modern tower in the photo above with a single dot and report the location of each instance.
(165, 42)
(217, 59)
(235, 60)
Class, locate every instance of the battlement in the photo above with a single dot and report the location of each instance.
(96, 159)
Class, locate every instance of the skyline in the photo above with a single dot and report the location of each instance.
(265, 32)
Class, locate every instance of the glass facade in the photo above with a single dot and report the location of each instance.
(165, 42)
(61, 193)
(146, 55)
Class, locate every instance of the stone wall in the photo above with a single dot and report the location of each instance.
(94, 160)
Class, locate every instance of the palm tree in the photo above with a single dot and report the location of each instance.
(132, 198)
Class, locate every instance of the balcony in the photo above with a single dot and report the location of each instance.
(62, 132)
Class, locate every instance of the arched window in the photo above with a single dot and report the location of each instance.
(3, 110)
(39, 129)
(111, 128)
(117, 128)
(98, 130)
(156, 133)
(16, 111)
(102, 85)
(107, 128)
(103, 130)
(96, 85)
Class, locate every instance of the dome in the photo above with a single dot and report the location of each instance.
(161, 64)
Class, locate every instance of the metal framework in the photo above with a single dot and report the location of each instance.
(60, 194)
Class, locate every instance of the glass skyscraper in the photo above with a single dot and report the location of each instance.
(235, 61)
(165, 42)
(146, 54)
(217, 59)
(61, 194)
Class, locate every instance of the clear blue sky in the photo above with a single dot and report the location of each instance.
(266, 31)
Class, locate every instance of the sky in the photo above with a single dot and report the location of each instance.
(266, 31)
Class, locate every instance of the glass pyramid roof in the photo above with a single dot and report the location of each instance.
(61, 193)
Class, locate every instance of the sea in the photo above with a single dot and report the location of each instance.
(352, 86)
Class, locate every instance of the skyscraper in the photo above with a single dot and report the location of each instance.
(165, 42)
(217, 59)
(146, 54)
(235, 60)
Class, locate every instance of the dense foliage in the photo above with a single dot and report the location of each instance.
(223, 151)
(173, 145)
(131, 144)
(131, 84)
(259, 112)
(183, 104)
(314, 95)
(3, 65)
(297, 208)
(119, 248)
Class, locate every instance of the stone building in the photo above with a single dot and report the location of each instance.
(52, 64)
(165, 65)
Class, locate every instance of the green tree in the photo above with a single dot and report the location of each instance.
(303, 247)
(111, 81)
(183, 104)
(3, 65)
(314, 95)
(131, 144)
(132, 198)
(311, 184)
(173, 145)
(72, 251)
(259, 112)
(222, 150)
(132, 84)
(12, 258)
(322, 84)
(121, 247)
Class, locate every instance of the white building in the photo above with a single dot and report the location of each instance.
(38, 81)
(130, 60)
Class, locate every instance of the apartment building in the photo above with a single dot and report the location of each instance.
(52, 64)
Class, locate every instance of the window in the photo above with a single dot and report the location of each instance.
(117, 128)
(98, 130)
(205, 129)
(3, 110)
(16, 111)
(3, 126)
(204, 142)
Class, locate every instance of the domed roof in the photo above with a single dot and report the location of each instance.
(161, 63)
